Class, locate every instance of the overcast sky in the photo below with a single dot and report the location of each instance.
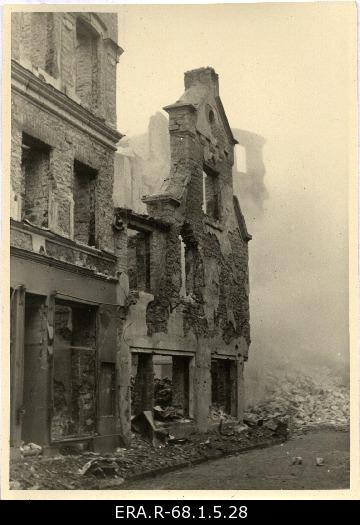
(286, 74)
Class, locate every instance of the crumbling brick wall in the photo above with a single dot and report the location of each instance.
(200, 140)
(87, 66)
(35, 167)
(215, 309)
(82, 64)
(67, 144)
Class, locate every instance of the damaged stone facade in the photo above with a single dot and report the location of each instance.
(64, 310)
(101, 295)
(198, 305)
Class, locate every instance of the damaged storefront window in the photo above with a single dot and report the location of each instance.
(161, 383)
(221, 385)
(74, 366)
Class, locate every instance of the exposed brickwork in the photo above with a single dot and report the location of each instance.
(68, 144)
(62, 169)
(87, 66)
(71, 365)
(35, 168)
(201, 142)
(77, 50)
(215, 308)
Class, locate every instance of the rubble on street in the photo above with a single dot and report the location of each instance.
(90, 470)
(295, 404)
(304, 402)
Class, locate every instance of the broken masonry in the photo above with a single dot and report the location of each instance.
(120, 321)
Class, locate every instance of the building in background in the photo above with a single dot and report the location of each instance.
(102, 296)
(142, 163)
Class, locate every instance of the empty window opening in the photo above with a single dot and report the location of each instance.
(74, 365)
(222, 386)
(139, 260)
(87, 64)
(43, 47)
(142, 383)
(211, 195)
(161, 383)
(35, 166)
(189, 261)
(84, 203)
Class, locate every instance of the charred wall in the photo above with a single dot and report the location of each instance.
(216, 249)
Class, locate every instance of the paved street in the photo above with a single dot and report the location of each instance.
(269, 468)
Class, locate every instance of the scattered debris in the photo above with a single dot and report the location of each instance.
(217, 414)
(297, 460)
(305, 402)
(31, 449)
(163, 392)
(176, 441)
(241, 428)
(100, 467)
(89, 470)
(169, 413)
(15, 485)
(252, 420)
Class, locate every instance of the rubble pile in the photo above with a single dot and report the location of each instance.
(163, 392)
(218, 413)
(92, 470)
(169, 413)
(30, 449)
(305, 401)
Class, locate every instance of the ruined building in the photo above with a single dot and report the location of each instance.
(192, 298)
(63, 262)
(99, 294)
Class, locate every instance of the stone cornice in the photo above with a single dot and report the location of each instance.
(51, 99)
(179, 105)
(140, 221)
(63, 241)
(56, 263)
(161, 197)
